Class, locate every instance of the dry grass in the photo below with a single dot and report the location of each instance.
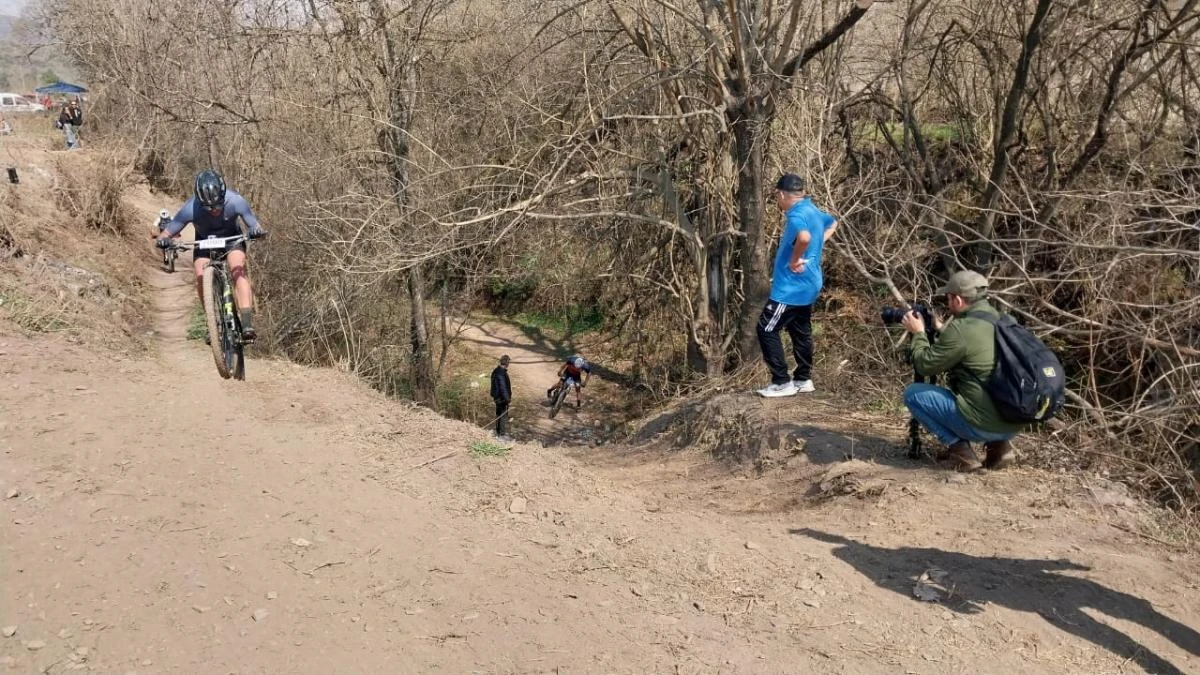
(71, 265)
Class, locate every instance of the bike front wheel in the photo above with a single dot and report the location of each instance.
(219, 337)
(559, 397)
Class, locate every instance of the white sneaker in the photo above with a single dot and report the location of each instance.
(804, 386)
(777, 390)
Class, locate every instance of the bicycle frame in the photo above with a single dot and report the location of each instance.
(225, 332)
(561, 391)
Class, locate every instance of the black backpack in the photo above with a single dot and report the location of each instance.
(77, 117)
(1028, 384)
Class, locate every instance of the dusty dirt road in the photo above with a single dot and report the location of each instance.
(157, 519)
(534, 369)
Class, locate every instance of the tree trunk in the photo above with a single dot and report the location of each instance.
(422, 356)
(401, 79)
(750, 126)
(1006, 135)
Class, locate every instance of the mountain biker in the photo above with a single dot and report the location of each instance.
(577, 371)
(160, 223)
(214, 211)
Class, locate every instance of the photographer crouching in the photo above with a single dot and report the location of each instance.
(964, 349)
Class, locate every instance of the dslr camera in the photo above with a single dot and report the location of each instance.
(894, 315)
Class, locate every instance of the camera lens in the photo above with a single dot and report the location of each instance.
(891, 315)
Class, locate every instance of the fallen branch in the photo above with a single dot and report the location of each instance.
(448, 455)
(324, 565)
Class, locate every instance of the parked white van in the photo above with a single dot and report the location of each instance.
(18, 103)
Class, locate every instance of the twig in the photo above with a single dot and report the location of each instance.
(189, 529)
(1177, 547)
(448, 455)
(324, 565)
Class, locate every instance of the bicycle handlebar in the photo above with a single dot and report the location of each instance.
(214, 243)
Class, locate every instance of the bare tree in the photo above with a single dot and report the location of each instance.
(734, 60)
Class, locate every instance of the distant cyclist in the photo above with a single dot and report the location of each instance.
(575, 371)
(160, 223)
(214, 211)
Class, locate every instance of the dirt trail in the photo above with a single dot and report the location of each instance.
(533, 370)
(161, 520)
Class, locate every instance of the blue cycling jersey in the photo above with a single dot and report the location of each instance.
(209, 224)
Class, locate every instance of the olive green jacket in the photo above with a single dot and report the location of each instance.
(966, 351)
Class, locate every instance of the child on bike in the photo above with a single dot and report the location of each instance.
(575, 371)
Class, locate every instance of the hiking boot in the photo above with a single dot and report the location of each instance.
(999, 455)
(776, 390)
(208, 339)
(961, 457)
(804, 386)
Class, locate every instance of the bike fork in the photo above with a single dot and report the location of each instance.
(227, 307)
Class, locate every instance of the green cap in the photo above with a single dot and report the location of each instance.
(966, 284)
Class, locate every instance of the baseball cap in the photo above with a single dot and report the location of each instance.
(966, 284)
(790, 182)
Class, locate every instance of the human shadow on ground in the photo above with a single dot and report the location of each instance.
(1025, 585)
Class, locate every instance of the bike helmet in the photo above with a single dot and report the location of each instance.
(164, 214)
(210, 189)
(578, 362)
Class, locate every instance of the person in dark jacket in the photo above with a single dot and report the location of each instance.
(502, 395)
(67, 122)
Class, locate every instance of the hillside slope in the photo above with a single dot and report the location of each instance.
(159, 519)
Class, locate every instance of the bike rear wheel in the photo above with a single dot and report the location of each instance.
(226, 347)
(559, 397)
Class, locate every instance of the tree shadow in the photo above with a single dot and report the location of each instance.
(1025, 585)
(565, 346)
(528, 345)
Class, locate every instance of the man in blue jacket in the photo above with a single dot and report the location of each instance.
(795, 284)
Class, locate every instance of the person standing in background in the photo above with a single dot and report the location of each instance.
(795, 284)
(66, 122)
(502, 395)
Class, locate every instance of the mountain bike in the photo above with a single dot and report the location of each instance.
(220, 310)
(559, 395)
(170, 254)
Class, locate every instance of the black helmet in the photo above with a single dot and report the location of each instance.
(210, 188)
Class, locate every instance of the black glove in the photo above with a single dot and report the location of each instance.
(163, 242)
(258, 233)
